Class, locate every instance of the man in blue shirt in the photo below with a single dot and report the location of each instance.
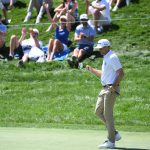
(84, 35)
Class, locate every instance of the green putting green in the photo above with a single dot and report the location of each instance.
(67, 139)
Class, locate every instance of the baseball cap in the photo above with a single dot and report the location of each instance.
(102, 43)
(63, 17)
(83, 16)
(36, 30)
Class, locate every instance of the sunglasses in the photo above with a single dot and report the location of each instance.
(63, 20)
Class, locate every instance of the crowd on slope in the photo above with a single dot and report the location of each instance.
(67, 13)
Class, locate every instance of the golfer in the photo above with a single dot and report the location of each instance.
(111, 75)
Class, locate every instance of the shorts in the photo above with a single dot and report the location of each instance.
(65, 47)
(87, 48)
(19, 52)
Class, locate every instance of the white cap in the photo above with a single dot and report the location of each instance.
(63, 17)
(102, 43)
(84, 16)
(36, 31)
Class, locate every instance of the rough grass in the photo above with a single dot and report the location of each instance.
(52, 94)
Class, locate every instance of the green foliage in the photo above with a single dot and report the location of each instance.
(53, 94)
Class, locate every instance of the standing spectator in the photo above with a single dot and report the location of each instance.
(2, 7)
(38, 4)
(68, 8)
(84, 35)
(23, 46)
(101, 13)
(42, 10)
(111, 76)
(3, 30)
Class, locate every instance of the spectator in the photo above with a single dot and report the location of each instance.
(38, 4)
(68, 8)
(3, 30)
(42, 9)
(61, 38)
(101, 13)
(4, 12)
(84, 35)
(23, 46)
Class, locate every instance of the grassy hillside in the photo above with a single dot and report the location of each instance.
(52, 94)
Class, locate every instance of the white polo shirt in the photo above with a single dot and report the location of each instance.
(110, 65)
(105, 13)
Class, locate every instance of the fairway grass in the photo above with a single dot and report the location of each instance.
(66, 139)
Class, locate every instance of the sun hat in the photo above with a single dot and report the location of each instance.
(83, 16)
(63, 17)
(36, 30)
(102, 43)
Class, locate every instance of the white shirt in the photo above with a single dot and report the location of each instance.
(27, 44)
(105, 12)
(110, 65)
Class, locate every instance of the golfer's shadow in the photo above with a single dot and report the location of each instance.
(130, 148)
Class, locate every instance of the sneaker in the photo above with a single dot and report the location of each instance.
(20, 63)
(100, 29)
(70, 62)
(28, 16)
(115, 8)
(75, 61)
(117, 136)
(10, 57)
(107, 144)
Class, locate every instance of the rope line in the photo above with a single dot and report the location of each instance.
(49, 23)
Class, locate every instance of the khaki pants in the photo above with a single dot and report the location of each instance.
(104, 110)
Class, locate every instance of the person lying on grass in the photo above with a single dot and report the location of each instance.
(25, 47)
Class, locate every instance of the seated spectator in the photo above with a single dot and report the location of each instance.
(68, 8)
(61, 38)
(23, 46)
(117, 4)
(2, 7)
(101, 13)
(3, 30)
(84, 35)
(38, 4)
(9, 2)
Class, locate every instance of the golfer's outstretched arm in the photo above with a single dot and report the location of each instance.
(94, 71)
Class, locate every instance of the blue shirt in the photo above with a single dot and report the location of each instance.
(3, 28)
(62, 35)
(88, 31)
